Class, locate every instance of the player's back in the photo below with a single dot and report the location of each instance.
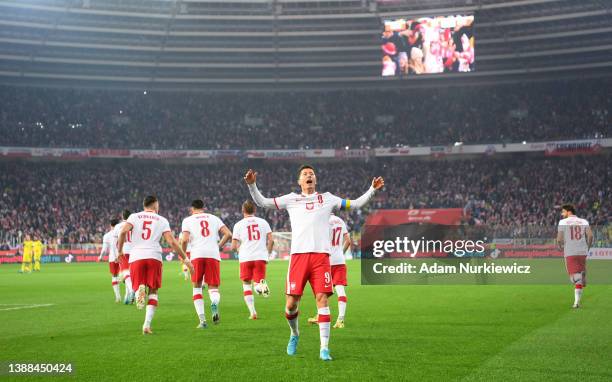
(252, 232)
(204, 238)
(147, 230)
(28, 247)
(337, 229)
(574, 235)
(127, 244)
(109, 243)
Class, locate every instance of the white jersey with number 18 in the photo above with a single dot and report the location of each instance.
(574, 236)
(147, 230)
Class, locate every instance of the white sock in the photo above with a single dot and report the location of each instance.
(292, 320)
(577, 294)
(214, 295)
(151, 306)
(128, 284)
(115, 281)
(248, 298)
(341, 301)
(198, 302)
(324, 318)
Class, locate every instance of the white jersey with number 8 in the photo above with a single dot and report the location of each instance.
(574, 236)
(203, 235)
(147, 230)
(252, 232)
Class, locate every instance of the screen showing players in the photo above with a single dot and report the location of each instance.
(426, 45)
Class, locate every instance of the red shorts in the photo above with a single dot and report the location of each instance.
(575, 264)
(338, 274)
(309, 267)
(124, 265)
(146, 272)
(253, 270)
(114, 268)
(207, 269)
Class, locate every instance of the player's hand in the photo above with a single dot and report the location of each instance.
(119, 257)
(250, 177)
(378, 183)
(187, 263)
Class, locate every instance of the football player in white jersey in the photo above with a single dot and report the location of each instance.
(124, 262)
(340, 242)
(147, 229)
(309, 214)
(252, 238)
(109, 248)
(574, 238)
(203, 231)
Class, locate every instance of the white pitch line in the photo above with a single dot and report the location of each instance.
(24, 306)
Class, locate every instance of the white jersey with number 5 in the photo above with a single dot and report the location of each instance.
(147, 230)
(309, 216)
(203, 235)
(338, 229)
(252, 232)
(574, 236)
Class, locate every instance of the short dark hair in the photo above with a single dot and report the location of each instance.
(569, 208)
(149, 200)
(304, 167)
(114, 222)
(198, 204)
(248, 207)
(126, 214)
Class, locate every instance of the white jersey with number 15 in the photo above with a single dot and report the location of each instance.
(252, 232)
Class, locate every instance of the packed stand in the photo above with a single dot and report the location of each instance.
(72, 202)
(357, 119)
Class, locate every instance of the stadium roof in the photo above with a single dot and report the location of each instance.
(284, 44)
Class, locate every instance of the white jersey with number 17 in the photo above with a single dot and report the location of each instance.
(204, 237)
(147, 230)
(338, 230)
(574, 236)
(252, 232)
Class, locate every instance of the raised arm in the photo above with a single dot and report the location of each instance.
(260, 200)
(377, 184)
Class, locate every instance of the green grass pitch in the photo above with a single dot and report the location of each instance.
(419, 333)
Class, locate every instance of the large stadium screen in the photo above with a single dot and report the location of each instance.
(426, 45)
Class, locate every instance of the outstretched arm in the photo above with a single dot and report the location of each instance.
(377, 184)
(260, 200)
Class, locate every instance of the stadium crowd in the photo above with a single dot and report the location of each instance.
(358, 119)
(72, 202)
